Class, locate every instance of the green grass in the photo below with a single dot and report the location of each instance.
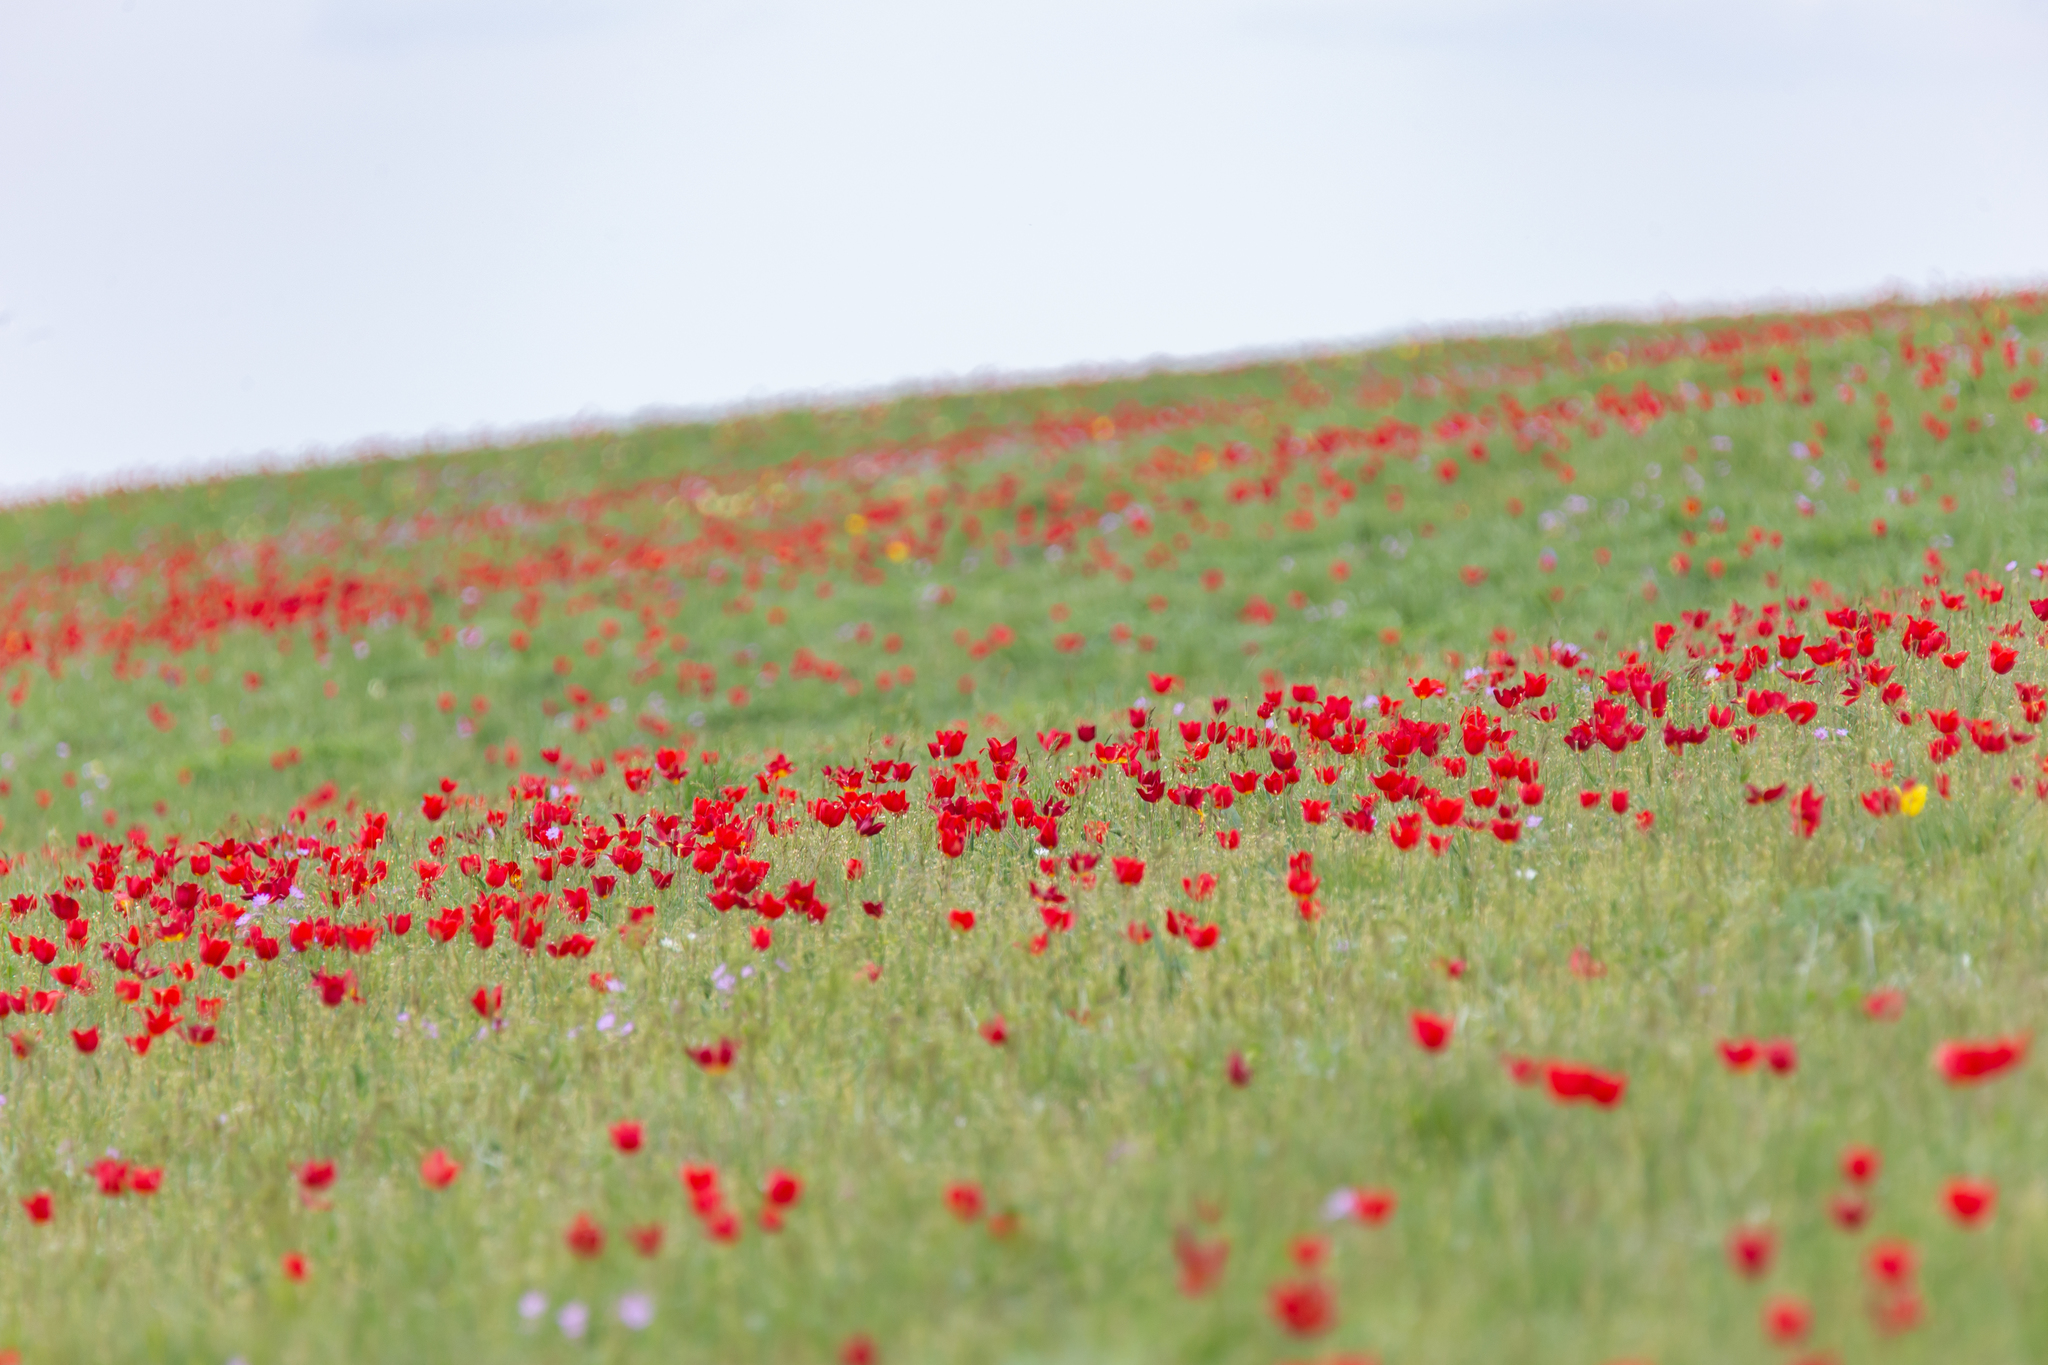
(1525, 1229)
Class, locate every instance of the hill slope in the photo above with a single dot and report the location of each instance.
(1405, 853)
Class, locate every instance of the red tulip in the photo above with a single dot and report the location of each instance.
(1304, 1308)
(1970, 1201)
(1806, 811)
(1849, 1211)
(1965, 1062)
(1750, 1250)
(1787, 1320)
(1372, 1206)
(584, 1238)
(782, 1189)
(1739, 1053)
(1201, 1263)
(716, 1058)
(964, 1200)
(437, 1170)
(1891, 1263)
(1569, 1082)
(1432, 1031)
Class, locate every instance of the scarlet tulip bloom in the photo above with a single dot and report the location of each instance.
(1372, 1206)
(1969, 1201)
(316, 1175)
(1891, 1264)
(112, 1176)
(782, 1189)
(488, 1000)
(295, 1268)
(1781, 1055)
(646, 1240)
(1750, 1250)
(1806, 811)
(1849, 1211)
(963, 920)
(1239, 1070)
(1739, 1053)
(1860, 1165)
(1432, 1031)
(1965, 1061)
(1129, 871)
(1787, 1320)
(1304, 1308)
(717, 1058)
(995, 1031)
(584, 1238)
(1201, 1263)
(438, 1170)
(1885, 1005)
(86, 1039)
(964, 1200)
(1569, 1081)
(626, 1135)
(39, 1207)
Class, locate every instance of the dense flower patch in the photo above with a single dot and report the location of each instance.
(1246, 873)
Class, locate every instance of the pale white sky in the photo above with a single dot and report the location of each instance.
(286, 225)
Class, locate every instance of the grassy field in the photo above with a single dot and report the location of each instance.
(1492, 824)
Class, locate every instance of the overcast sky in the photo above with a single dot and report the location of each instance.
(283, 226)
